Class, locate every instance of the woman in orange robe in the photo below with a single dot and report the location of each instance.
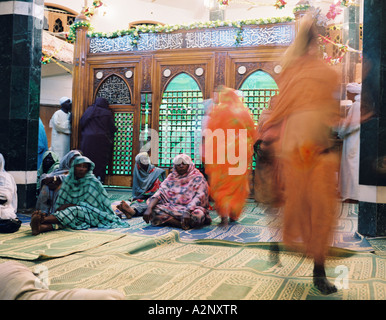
(228, 154)
(306, 110)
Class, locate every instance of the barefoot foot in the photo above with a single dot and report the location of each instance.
(126, 209)
(324, 286)
(35, 223)
(321, 282)
(224, 222)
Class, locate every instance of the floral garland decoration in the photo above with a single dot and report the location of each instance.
(336, 8)
(301, 7)
(45, 59)
(342, 48)
(71, 36)
(90, 11)
(280, 4)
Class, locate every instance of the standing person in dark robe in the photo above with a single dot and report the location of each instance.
(97, 135)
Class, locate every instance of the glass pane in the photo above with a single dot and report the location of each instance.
(180, 120)
(257, 89)
(123, 144)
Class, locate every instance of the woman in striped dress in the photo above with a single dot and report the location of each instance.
(82, 203)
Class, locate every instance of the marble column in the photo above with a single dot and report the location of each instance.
(20, 68)
(372, 172)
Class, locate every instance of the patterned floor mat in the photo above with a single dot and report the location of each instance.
(24, 246)
(166, 268)
(256, 224)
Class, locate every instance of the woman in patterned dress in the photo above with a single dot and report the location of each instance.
(182, 200)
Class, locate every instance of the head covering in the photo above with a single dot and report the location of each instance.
(306, 37)
(184, 193)
(144, 180)
(64, 99)
(100, 108)
(89, 175)
(92, 204)
(182, 158)
(101, 103)
(65, 162)
(8, 191)
(354, 87)
(54, 166)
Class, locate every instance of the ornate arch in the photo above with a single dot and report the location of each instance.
(180, 117)
(115, 90)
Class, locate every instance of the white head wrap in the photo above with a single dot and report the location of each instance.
(354, 88)
(64, 99)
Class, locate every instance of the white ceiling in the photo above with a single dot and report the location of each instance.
(121, 12)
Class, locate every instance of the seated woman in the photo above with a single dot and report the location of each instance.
(182, 200)
(50, 183)
(9, 222)
(82, 203)
(50, 163)
(146, 181)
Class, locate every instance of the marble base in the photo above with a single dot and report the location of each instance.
(372, 219)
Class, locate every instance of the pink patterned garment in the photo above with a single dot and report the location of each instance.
(183, 196)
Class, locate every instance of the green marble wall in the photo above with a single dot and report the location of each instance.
(20, 68)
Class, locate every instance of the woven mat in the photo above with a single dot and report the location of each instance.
(166, 268)
(24, 246)
(256, 224)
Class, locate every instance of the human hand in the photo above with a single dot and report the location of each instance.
(148, 215)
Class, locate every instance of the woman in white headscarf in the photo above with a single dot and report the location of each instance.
(8, 201)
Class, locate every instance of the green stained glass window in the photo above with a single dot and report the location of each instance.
(257, 89)
(180, 116)
(123, 144)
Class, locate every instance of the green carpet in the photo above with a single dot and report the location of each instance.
(170, 264)
(165, 268)
(24, 246)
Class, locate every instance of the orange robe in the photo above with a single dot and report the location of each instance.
(306, 109)
(228, 159)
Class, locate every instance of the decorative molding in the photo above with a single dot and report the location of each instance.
(267, 35)
(186, 68)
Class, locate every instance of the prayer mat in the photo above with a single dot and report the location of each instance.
(166, 268)
(24, 246)
(379, 245)
(256, 224)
